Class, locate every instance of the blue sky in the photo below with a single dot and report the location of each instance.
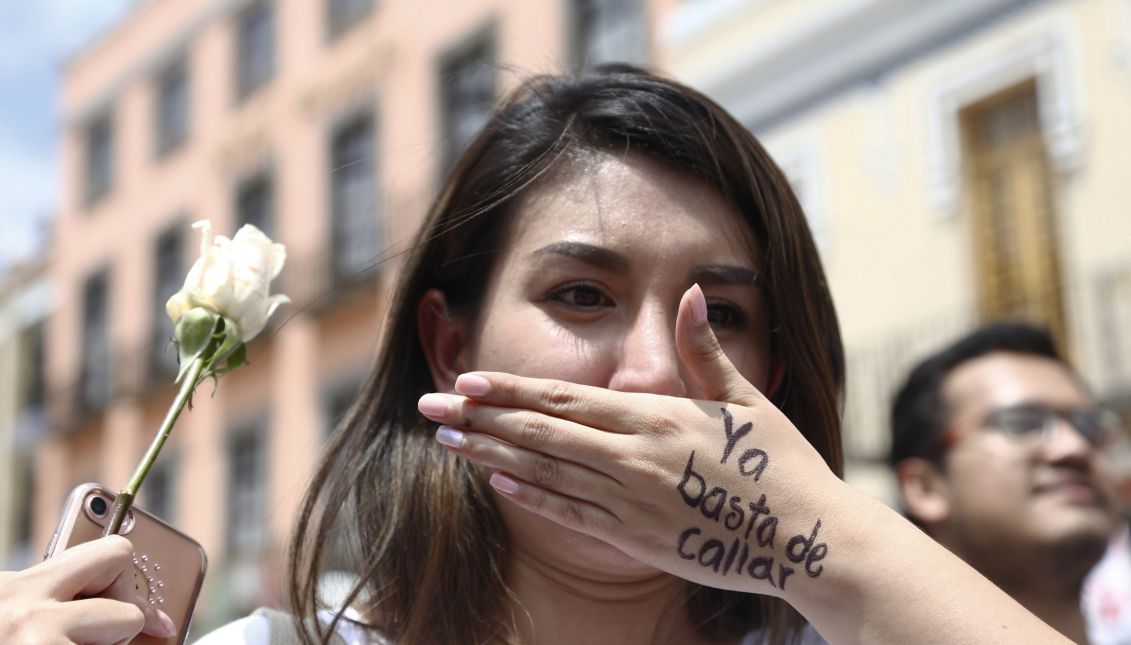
(38, 37)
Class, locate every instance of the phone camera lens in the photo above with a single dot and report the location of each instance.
(99, 506)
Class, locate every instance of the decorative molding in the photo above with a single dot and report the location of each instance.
(854, 40)
(694, 19)
(800, 161)
(146, 64)
(1050, 59)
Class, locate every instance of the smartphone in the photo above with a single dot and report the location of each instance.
(168, 565)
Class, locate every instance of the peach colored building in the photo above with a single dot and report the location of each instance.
(326, 123)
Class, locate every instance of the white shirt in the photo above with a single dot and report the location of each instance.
(255, 630)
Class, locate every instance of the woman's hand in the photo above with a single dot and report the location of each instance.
(725, 492)
(83, 595)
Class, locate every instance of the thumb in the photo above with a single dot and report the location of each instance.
(704, 357)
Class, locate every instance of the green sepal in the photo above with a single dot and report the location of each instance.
(229, 337)
(193, 335)
(237, 358)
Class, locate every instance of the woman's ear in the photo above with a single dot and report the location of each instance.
(444, 338)
(924, 491)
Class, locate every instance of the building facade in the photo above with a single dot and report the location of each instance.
(25, 302)
(960, 161)
(327, 124)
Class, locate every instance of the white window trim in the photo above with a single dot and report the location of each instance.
(801, 163)
(817, 53)
(1051, 59)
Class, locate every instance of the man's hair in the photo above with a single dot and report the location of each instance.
(919, 415)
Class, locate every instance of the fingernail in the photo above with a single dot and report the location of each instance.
(449, 437)
(503, 484)
(698, 305)
(167, 624)
(472, 385)
(433, 405)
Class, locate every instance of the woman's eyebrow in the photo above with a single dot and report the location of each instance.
(587, 253)
(722, 274)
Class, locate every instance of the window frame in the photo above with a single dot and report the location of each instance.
(90, 357)
(335, 29)
(336, 132)
(450, 63)
(161, 328)
(165, 143)
(245, 84)
(94, 191)
(263, 175)
(255, 428)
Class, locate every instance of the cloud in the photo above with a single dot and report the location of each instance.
(38, 37)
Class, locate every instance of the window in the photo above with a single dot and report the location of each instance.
(35, 385)
(342, 14)
(159, 489)
(467, 94)
(609, 31)
(21, 552)
(95, 384)
(247, 490)
(169, 262)
(255, 61)
(337, 402)
(172, 107)
(1013, 218)
(255, 203)
(99, 157)
(353, 198)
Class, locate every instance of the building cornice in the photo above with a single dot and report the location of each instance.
(821, 55)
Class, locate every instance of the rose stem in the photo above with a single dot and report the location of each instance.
(126, 495)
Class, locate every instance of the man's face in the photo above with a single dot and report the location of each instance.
(1021, 494)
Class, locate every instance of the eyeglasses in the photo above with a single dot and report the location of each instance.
(1035, 424)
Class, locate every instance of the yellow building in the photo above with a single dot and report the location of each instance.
(960, 161)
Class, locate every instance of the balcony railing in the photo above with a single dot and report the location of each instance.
(1099, 315)
(315, 283)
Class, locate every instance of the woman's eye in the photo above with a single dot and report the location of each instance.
(580, 296)
(725, 315)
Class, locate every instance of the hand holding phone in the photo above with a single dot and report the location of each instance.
(159, 569)
(84, 595)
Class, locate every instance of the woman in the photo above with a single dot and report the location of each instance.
(561, 247)
(612, 277)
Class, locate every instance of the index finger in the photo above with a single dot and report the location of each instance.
(596, 407)
(88, 568)
(104, 567)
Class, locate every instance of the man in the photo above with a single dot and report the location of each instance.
(996, 445)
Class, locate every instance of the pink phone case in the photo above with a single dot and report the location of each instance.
(169, 566)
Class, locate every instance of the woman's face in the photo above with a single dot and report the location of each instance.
(587, 291)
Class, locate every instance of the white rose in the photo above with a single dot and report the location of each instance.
(232, 278)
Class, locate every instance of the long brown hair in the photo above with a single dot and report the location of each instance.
(429, 547)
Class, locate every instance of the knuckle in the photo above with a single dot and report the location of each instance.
(572, 513)
(119, 548)
(649, 541)
(708, 349)
(657, 424)
(133, 615)
(19, 619)
(536, 431)
(545, 471)
(558, 397)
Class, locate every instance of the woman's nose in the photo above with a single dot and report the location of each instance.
(648, 360)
